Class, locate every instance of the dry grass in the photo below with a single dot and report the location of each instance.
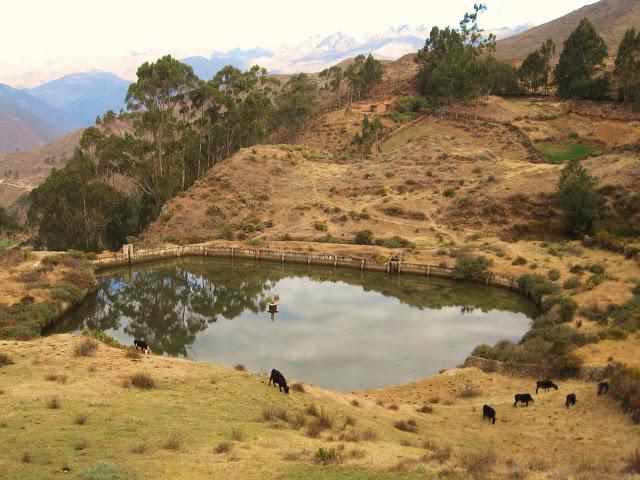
(224, 447)
(85, 347)
(406, 426)
(479, 464)
(237, 434)
(81, 420)
(469, 391)
(5, 360)
(142, 380)
(54, 403)
(298, 387)
(133, 353)
(633, 462)
(174, 442)
(55, 377)
(239, 367)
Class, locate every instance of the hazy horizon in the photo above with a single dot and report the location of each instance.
(47, 40)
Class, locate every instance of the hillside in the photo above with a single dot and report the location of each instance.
(26, 122)
(207, 421)
(610, 17)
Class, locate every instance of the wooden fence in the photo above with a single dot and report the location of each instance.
(391, 266)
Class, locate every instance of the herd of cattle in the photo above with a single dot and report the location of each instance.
(489, 412)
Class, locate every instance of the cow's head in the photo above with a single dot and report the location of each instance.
(286, 389)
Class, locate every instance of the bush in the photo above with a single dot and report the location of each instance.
(537, 286)
(425, 409)
(325, 456)
(625, 385)
(85, 348)
(395, 242)
(81, 420)
(102, 336)
(408, 426)
(53, 403)
(173, 443)
(223, 447)
(553, 274)
(67, 292)
(633, 462)
(142, 380)
(519, 260)
(571, 283)
(480, 464)
(448, 192)
(364, 237)
(5, 360)
(565, 306)
(469, 391)
(320, 226)
(237, 434)
(472, 267)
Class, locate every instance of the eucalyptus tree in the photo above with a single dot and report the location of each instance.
(627, 66)
(580, 70)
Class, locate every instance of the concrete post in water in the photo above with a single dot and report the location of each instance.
(428, 270)
(127, 249)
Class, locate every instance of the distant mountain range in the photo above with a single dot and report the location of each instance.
(32, 117)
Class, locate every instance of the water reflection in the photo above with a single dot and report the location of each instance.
(339, 328)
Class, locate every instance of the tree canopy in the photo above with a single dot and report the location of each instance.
(579, 70)
(627, 66)
(578, 199)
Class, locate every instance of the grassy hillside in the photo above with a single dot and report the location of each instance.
(82, 413)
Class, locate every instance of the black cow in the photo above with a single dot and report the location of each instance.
(523, 398)
(278, 379)
(490, 413)
(545, 385)
(142, 345)
(603, 388)
(571, 400)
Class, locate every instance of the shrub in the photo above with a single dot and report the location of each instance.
(565, 306)
(537, 286)
(595, 280)
(636, 289)
(215, 209)
(425, 409)
(5, 360)
(298, 387)
(395, 242)
(469, 391)
(54, 403)
(85, 348)
(237, 434)
(625, 385)
(479, 464)
(358, 436)
(633, 462)
(325, 456)
(102, 337)
(239, 367)
(133, 353)
(553, 274)
(173, 443)
(472, 266)
(67, 292)
(519, 260)
(408, 426)
(320, 226)
(142, 380)
(571, 283)
(364, 237)
(448, 192)
(223, 447)
(81, 420)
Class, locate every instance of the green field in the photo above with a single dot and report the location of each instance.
(560, 153)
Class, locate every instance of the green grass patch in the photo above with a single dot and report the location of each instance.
(560, 153)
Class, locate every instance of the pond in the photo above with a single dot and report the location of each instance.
(338, 328)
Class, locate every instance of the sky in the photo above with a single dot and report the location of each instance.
(40, 38)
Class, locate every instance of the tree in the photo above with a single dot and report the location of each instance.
(627, 65)
(371, 136)
(294, 104)
(577, 197)
(532, 72)
(581, 60)
(453, 61)
(160, 88)
(362, 75)
(547, 50)
(333, 78)
(74, 210)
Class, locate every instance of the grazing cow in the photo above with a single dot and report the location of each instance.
(523, 398)
(571, 400)
(490, 413)
(603, 388)
(142, 345)
(545, 385)
(278, 379)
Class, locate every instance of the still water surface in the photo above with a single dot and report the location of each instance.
(338, 328)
